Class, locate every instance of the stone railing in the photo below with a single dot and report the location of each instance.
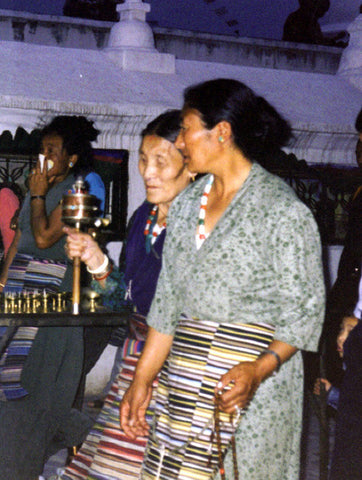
(252, 52)
(92, 34)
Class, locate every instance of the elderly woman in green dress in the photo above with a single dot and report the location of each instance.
(240, 293)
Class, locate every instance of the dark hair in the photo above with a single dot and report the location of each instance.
(166, 125)
(348, 313)
(358, 123)
(77, 133)
(257, 127)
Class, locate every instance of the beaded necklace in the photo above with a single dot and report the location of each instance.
(200, 235)
(151, 232)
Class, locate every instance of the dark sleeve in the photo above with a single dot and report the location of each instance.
(122, 256)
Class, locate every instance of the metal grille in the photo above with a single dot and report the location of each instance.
(326, 190)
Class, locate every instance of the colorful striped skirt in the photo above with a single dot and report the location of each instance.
(34, 275)
(26, 275)
(107, 454)
(182, 443)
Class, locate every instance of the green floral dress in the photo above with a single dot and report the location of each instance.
(261, 264)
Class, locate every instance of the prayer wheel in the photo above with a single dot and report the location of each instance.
(79, 209)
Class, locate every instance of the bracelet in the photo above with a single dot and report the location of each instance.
(100, 269)
(34, 197)
(2, 284)
(108, 272)
(275, 355)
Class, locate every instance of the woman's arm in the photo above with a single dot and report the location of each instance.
(246, 377)
(47, 230)
(137, 398)
(9, 258)
(84, 246)
(109, 282)
(295, 255)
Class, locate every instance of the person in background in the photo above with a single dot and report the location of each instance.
(347, 325)
(241, 290)
(107, 453)
(9, 207)
(347, 453)
(344, 292)
(41, 368)
(302, 26)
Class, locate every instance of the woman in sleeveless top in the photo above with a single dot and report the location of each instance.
(41, 368)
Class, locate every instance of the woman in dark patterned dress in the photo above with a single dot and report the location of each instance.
(107, 453)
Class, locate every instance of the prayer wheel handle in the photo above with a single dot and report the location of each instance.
(79, 209)
(76, 282)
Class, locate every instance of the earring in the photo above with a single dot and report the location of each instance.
(221, 139)
(71, 164)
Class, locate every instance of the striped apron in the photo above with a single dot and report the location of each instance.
(182, 445)
(26, 275)
(107, 454)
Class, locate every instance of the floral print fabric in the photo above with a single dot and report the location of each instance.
(261, 263)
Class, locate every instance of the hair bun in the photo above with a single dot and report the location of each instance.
(274, 130)
(85, 128)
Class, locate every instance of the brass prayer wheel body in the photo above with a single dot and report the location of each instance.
(80, 207)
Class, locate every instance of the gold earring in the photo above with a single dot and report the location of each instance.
(221, 139)
(71, 164)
